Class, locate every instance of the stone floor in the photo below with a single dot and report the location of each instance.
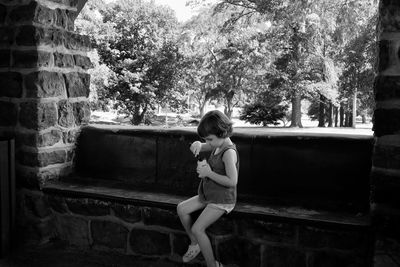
(58, 254)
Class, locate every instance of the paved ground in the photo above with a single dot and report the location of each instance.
(57, 254)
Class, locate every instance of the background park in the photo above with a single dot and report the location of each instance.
(278, 64)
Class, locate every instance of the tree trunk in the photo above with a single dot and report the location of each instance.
(363, 118)
(341, 114)
(321, 111)
(336, 116)
(202, 107)
(296, 111)
(354, 114)
(330, 113)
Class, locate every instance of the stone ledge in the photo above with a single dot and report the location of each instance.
(108, 190)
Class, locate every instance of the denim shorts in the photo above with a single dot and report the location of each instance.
(226, 207)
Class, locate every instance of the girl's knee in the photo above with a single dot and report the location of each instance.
(197, 229)
(180, 209)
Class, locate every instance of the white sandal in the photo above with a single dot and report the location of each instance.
(191, 253)
(218, 264)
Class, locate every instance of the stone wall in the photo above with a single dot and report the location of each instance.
(385, 176)
(152, 230)
(44, 85)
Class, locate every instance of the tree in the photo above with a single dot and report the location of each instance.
(143, 56)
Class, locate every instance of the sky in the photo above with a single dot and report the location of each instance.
(182, 11)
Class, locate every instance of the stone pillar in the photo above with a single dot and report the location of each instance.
(385, 176)
(44, 85)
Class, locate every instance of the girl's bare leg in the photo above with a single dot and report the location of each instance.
(206, 218)
(184, 209)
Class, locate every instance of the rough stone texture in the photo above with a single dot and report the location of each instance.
(64, 61)
(77, 84)
(386, 121)
(40, 139)
(284, 256)
(224, 226)
(70, 136)
(387, 157)
(31, 59)
(3, 13)
(180, 243)
(45, 84)
(65, 114)
(30, 35)
(37, 205)
(386, 188)
(109, 234)
(76, 41)
(74, 230)
(149, 242)
(389, 17)
(8, 114)
(332, 259)
(11, 84)
(81, 112)
(271, 231)
(4, 58)
(6, 36)
(127, 213)
(38, 116)
(155, 216)
(83, 62)
(42, 159)
(240, 252)
(57, 204)
(88, 207)
(387, 87)
(33, 12)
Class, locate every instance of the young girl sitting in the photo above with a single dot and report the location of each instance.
(217, 188)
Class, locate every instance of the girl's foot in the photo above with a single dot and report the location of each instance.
(191, 253)
(218, 264)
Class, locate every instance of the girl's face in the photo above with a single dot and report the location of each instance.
(214, 141)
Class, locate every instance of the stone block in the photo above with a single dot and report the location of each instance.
(389, 16)
(42, 159)
(224, 226)
(83, 62)
(11, 84)
(162, 217)
(127, 213)
(283, 256)
(70, 155)
(387, 87)
(240, 252)
(81, 112)
(78, 84)
(44, 84)
(3, 13)
(109, 234)
(31, 59)
(37, 205)
(8, 113)
(70, 136)
(268, 231)
(5, 58)
(64, 60)
(384, 54)
(386, 121)
(76, 41)
(6, 36)
(88, 207)
(33, 12)
(30, 35)
(38, 116)
(332, 259)
(74, 230)
(386, 156)
(319, 238)
(386, 186)
(148, 242)
(40, 139)
(57, 204)
(65, 18)
(69, 3)
(65, 114)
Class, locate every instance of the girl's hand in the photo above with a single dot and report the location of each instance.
(204, 170)
(195, 147)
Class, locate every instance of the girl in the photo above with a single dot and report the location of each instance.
(217, 188)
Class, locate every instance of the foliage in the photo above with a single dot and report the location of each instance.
(143, 56)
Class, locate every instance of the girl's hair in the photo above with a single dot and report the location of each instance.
(215, 122)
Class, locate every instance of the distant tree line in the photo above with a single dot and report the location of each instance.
(265, 57)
